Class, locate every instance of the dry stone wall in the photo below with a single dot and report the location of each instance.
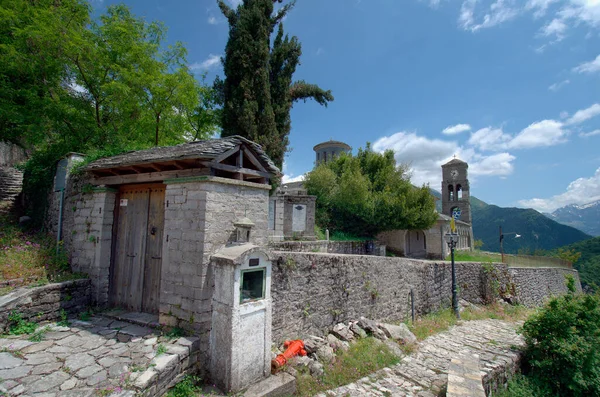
(535, 285)
(46, 303)
(314, 291)
(332, 247)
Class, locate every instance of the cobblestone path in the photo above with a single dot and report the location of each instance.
(88, 358)
(424, 372)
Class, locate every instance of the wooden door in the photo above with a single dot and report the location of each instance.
(135, 279)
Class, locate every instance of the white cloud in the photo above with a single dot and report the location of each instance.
(556, 28)
(539, 6)
(538, 134)
(456, 129)
(557, 86)
(499, 11)
(499, 164)
(212, 20)
(589, 134)
(589, 67)
(585, 114)
(209, 63)
(291, 178)
(425, 157)
(580, 191)
(493, 139)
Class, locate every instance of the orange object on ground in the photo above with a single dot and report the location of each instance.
(293, 348)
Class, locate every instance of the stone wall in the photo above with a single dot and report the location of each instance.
(313, 291)
(199, 219)
(332, 247)
(46, 303)
(535, 285)
(87, 231)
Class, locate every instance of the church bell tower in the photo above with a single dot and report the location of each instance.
(455, 190)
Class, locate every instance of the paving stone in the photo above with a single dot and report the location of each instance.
(7, 385)
(15, 373)
(151, 342)
(45, 369)
(71, 341)
(88, 371)
(78, 361)
(48, 382)
(108, 333)
(96, 378)
(58, 328)
(8, 361)
(117, 370)
(37, 347)
(17, 391)
(54, 335)
(16, 344)
(69, 384)
(118, 325)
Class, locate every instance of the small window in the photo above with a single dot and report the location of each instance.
(252, 285)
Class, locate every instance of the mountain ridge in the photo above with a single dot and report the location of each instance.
(585, 217)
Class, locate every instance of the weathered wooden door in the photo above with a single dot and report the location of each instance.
(137, 258)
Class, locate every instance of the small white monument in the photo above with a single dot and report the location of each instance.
(240, 337)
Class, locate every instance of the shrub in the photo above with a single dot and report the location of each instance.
(189, 386)
(563, 344)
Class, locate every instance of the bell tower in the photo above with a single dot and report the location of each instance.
(455, 190)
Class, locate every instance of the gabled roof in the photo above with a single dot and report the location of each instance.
(183, 153)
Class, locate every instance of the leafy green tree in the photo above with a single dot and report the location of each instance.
(35, 37)
(368, 194)
(563, 344)
(258, 91)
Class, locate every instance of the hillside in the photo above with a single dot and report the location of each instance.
(583, 217)
(589, 262)
(537, 231)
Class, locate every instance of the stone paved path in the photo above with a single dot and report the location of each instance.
(101, 356)
(424, 373)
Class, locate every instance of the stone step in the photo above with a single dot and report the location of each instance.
(282, 384)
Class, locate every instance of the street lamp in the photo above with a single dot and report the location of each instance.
(517, 235)
(452, 239)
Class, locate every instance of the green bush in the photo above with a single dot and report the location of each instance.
(563, 344)
(521, 386)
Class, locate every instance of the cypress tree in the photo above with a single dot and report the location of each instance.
(258, 92)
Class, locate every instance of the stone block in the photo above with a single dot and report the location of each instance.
(282, 384)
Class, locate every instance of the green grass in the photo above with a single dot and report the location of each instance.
(29, 257)
(475, 256)
(188, 387)
(363, 358)
(436, 322)
(17, 325)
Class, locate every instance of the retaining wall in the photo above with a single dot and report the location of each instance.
(312, 292)
(332, 247)
(46, 303)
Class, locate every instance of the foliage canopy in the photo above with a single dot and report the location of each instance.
(563, 344)
(367, 194)
(258, 91)
(72, 84)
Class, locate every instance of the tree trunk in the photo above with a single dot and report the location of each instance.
(157, 127)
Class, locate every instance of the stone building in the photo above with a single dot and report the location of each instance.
(292, 213)
(144, 225)
(456, 204)
(326, 151)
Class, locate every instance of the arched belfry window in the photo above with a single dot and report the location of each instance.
(459, 192)
(450, 193)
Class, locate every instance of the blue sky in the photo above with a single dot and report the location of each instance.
(511, 86)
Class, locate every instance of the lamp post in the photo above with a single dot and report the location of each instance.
(517, 235)
(452, 239)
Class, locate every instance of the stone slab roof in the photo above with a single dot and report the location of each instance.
(205, 150)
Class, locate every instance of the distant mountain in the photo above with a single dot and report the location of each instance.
(537, 231)
(583, 217)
